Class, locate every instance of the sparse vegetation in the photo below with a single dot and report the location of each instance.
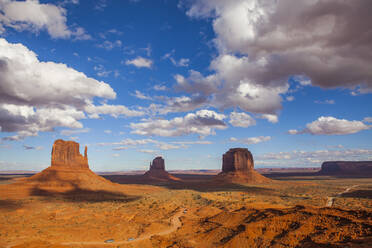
(261, 215)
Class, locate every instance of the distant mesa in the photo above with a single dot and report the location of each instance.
(345, 168)
(157, 171)
(238, 166)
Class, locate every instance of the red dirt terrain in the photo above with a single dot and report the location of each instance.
(67, 205)
(272, 227)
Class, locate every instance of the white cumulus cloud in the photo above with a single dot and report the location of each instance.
(34, 16)
(327, 125)
(203, 122)
(312, 158)
(140, 62)
(323, 47)
(271, 118)
(261, 45)
(251, 140)
(241, 119)
(138, 94)
(368, 119)
(39, 96)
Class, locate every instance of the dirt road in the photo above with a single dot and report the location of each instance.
(175, 224)
(331, 199)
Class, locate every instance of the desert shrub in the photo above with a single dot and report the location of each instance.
(197, 197)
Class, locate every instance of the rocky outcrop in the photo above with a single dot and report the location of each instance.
(157, 171)
(157, 164)
(69, 169)
(238, 166)
(238, 160)
(346, 168)
(67, 154)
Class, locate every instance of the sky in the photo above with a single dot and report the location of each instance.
(186, 80)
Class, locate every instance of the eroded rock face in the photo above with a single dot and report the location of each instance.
(237, 160)
(157, 164)
(157, 171)
(67, 154)
(238, 167)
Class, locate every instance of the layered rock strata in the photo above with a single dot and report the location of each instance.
(238, 166)
(67, 154)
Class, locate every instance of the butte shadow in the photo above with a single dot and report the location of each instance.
(156, 175)
(70, 178)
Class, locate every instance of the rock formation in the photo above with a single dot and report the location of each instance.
(157, 171)
(69, 169)
(345, 168)
(157, 164)
(238, 160)
(238, 166)
(67, 154)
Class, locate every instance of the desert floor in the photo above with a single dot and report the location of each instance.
(295, 210)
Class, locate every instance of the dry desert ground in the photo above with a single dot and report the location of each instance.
(293, 210)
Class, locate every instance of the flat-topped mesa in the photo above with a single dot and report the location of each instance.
(67, 154)
(237, 160)
(238, 167)
(157, 164)
(346, 168)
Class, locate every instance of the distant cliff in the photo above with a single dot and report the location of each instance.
(347, 168)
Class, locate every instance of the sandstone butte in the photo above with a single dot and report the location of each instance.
(69, 169)
(67, 154)
(157, 171)
(238, 167)
(345, 168)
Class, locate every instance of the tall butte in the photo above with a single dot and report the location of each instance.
(67, 154)
(157, 171)
(69, 169)
(238, 167)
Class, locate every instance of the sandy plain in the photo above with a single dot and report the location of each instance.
(291, 211)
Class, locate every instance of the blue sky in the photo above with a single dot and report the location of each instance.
(186, 80)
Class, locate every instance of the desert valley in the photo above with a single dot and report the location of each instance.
(185, 124)
(68, 205)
